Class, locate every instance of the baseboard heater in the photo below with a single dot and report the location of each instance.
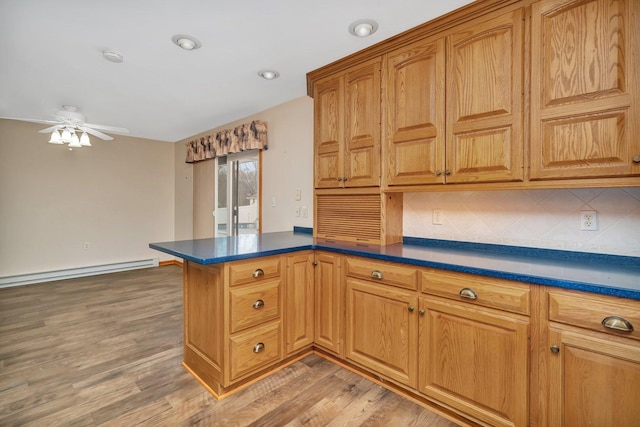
(49, 276)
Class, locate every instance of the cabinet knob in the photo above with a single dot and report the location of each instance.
(438, 172)
(258, 272)
(468, 293)
(258, 347)
(422, 311)
(555, 349)
(375, 274)
(344, 179)
(617, 323)
(258, 304)
(447, 172)
(411, 308)
(339, 178)
(636, 158)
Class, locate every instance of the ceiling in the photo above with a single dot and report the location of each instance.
(52, 56)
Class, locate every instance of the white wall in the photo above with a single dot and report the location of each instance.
(117, 195)
(531, 218)
(287, 165)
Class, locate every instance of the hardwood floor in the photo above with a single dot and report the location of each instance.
(106, 350)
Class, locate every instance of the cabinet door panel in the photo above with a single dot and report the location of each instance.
(484, 101)
(381, 330)
(415, 107)
(299, 302)
(329, 313)
(362, 126)
(584, 89)
(475, 361)
(328, 133)
(593, 381)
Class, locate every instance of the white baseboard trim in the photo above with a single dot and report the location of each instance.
(49, 276)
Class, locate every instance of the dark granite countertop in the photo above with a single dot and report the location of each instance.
(604, 274)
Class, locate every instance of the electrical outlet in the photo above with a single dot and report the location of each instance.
(588, 220)
(298, 195)
(297, 210)
(305, 212)
(438, 217)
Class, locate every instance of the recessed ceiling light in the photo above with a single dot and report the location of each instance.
(112, 55)
(269, 74)
(186, 42)
(363, 27)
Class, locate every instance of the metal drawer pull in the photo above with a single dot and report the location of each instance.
(555, 349)
(617, 323)
(258, 272)
(468, 293)
(411, 308)
(258, 304)
(375, 274)
(258, 347)
(636, 159)
(422, 311)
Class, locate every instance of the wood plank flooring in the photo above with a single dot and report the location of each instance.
(106, 351)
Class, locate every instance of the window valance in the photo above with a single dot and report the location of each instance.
(249, 136)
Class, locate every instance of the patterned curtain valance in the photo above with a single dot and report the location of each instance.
(249, 136)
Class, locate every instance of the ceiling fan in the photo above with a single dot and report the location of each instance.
(68, 122)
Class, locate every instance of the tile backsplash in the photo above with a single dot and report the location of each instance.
(531, 218)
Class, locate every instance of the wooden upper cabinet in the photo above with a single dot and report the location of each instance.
(454, 106)
(328, 132)
(415, 114)
(347, 128)
(484, 139)
(584, 89)
(362, 126)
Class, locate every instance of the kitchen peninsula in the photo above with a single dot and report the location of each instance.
(487, 334)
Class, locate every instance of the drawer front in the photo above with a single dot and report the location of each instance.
(594, 311)
(251, 305)
(254, 270)
(383, 272)
(254, 349)
(479, 290)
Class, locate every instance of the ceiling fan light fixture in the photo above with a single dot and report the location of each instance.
(84, 140)
(66, 136)
(55, 138)
(363, 27)
(75, 141)
(186, 42)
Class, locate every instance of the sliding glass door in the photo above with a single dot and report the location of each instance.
(237, 195)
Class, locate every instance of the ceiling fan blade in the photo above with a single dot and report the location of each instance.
(96, 133)
(44, 122)
(112, 129)
(49, 129)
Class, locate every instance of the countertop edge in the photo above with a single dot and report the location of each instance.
(457, 267)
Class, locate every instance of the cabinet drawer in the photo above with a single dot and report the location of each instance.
(383, 272)
(254, 349)
(479, 290)
(251, 305)
(593, 311)
(254, 270)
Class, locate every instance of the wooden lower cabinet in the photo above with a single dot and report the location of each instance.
(299, 307)
(474, 360)
(329, 303)
(382, 329)
(593, 381)
(593, 353)
(232, 320)
(494, 351)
